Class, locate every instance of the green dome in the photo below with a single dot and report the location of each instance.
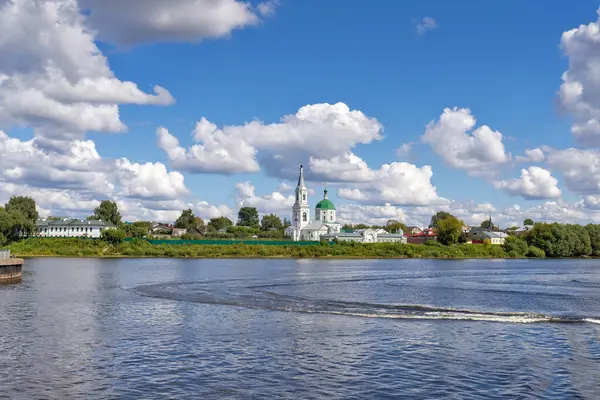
(325, 204)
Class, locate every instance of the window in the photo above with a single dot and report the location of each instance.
(304, 196)
(304, 217)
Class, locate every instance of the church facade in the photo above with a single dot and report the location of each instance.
(303, 228)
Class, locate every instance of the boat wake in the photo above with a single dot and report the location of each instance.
(253, 297)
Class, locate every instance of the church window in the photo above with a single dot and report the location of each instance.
(304, 217)
(304, 196)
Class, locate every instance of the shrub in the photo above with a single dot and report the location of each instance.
(113, 236)
(536, 252)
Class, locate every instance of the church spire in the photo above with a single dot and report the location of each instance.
(301, 178)
(325, 192)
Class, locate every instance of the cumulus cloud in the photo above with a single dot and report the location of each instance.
(274, 202)
(581, 82)
(579, 168)
(533, 155)
(398, 183)
(54, 78)
(535, 183)
(149, 180)
(425, 25)
(370, 215)
(318, 130)
(139, 21)
(476, 152)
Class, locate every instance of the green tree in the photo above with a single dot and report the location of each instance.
(394, 226)
(187, 220)
(51, 218)
(487, 224)
(271, 221)
(113, 236)
(439, 216)
(26, 205)
(14, 224)
(107, 211)
(248, 216)
(594, 233)
(528, 221)
(449, 230)
(200, 224)
(219, 223)
(519, 246)
(286, 223)
(138, 229)
(560, 240)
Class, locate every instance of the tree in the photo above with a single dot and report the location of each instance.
(107, 211)
(14, 224)
(286, 223)
(394, 226)
(219, 223)
(519, 246)
(248, 216)
(51, 218)
(271, 221)
(138, 229)
(528, 221)
(200, 224)
(440, 215)
(187, 220)
(487, 224)
(449, 230)
(26, 205)
(113, 236)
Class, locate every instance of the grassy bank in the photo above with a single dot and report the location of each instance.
(140, 248)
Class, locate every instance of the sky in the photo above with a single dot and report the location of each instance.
(403, 108)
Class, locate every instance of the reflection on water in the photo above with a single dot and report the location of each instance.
(301, 329)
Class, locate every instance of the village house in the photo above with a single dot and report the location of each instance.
(71, 228)
(422, 237)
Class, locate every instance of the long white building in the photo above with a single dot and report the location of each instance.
(72, 228)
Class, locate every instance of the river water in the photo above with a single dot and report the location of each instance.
(301, 329)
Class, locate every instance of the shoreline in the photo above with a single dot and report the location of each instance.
(294, 258)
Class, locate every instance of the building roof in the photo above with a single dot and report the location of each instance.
(390, 235)
(495, 235)
(325, 204)
(74, 222)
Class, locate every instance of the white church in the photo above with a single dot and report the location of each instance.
(302, 227)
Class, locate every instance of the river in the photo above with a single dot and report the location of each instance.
(301, 329)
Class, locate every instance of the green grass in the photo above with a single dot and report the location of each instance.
(73, 247)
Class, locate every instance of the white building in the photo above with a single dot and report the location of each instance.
(71, 228)
(367, 236)
(302, 227)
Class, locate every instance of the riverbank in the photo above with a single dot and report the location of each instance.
(36, 247)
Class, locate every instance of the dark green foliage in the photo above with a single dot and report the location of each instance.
(113, 236)
(187, 220)
(108, 211)
(487, 224)
(440, 215)
(14, 224)
(219, 223)
(248, 216)
(516, 245)
(560, 240)
(286, 223)
(449, 230)
(536, 252)
(594, 233)
(137, 229)
(271, 221)
(528, 221)
(25, 205)
(393, 226)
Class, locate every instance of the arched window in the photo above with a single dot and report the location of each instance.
(304, 196)
(304, 217)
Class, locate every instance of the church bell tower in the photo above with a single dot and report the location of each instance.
(301, 211)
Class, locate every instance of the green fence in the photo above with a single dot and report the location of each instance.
(230, 242)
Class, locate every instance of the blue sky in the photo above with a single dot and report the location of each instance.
(500, 59)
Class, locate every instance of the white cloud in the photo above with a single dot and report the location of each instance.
(404, 150)
(207, 211)
(370, 215)
(275, 202)
(535, 183)
(581, 82)
(138, 21)
(477, 152)
(319, 130)
(54, 78)
(580, 169)
(149, 180)
(425, 25)
(533, 155)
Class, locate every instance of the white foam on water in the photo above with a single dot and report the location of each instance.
(592, 320)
